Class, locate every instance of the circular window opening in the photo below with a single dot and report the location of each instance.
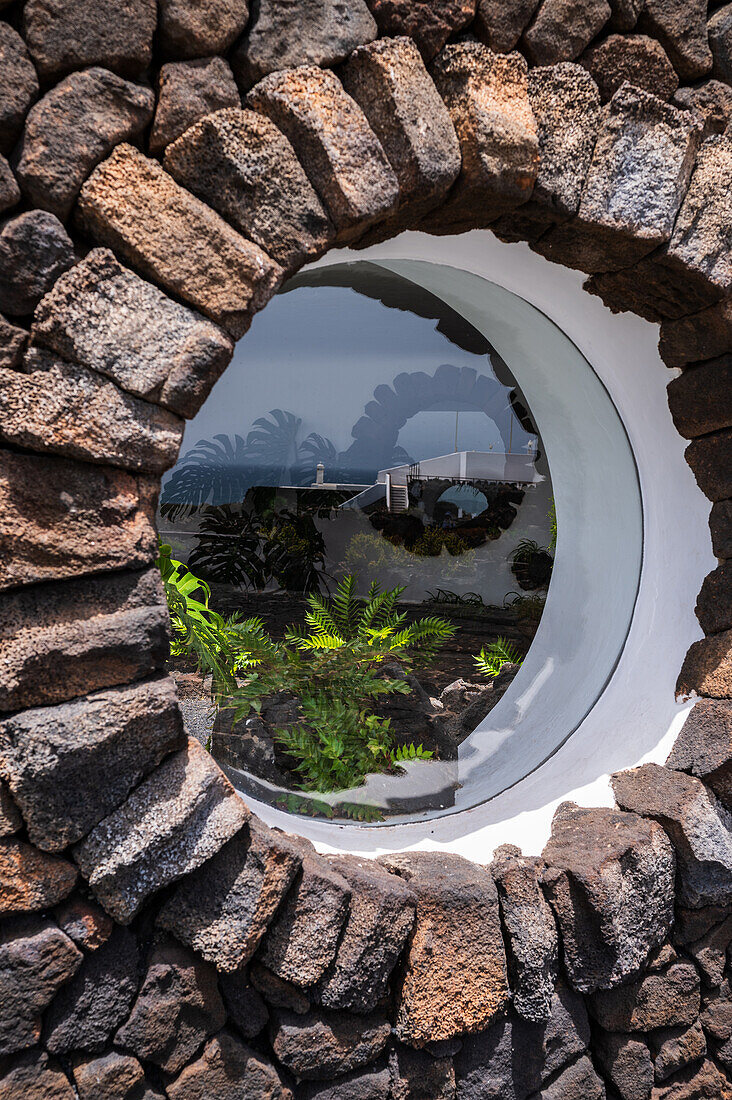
(415, 516)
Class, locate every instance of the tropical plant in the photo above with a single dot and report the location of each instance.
(492, 658)
(229, 547)
(531, 564)
(294, 552)
(212, 472)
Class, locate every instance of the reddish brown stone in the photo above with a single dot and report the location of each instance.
(191, 29)
(652, 289)
(704, 335)
(668, 999)
(112, 1077)
(720, 525)
(704, 747)
(70, 34)
(674, 1048)
(695, 1083)
(714, 603)
(84, 922)
(562, 29)
(500, 23)
(9, 190)
(228, 1070)
(712, 99)
(680, 26)
(33, 1076)
(429, 24)
(719, 29)
(700, 399)
(60, 518)
(640, 60)
(707, 668)
(30, 879)
(187, 91)
(132, 205)
(711, 460)
(19, 86)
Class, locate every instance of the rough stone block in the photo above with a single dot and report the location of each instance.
(710, 459)
(312, 32)
(710, 953)
(228, 1070)
(70, 766)
(245, 168)
(380, 919)
(719, 29)
(130, 204)
(19, 87)
(187, 91)
(90, 1007)
(244, 1005)
(700, 399)
(34, 250)
(669, 999)
(74, 127)
(84, 923)
(577, 1082)
(699, 826)
(104, 317)
(172, 823)
(58, 641)
(704, 747)
(562, 29)
(652, 288)
(60, 518)
(716, 1019)
(321, 1046)
(430, 25)
(703, 1082)
(113, 1076)
(415, 1073)
(9, 190)
(10, 819)
(35, 960)
(640, 60)
(454, 978)
(707, 668)
(626, 1063)
(34, 1076)
(714, 602)
(499, 24)
(702, 336)
(30, 879)
(335, 144)
(66, 409)
(610, 882)
(680, 27)
(13, 341)
(223, 910)
(674, 1048)
(712, 99)
(389, 82)
(178, 1007)
(277, 992)
(369, 1084)
(720, 525)
(71, 34)
(188, 29)
(487, 97)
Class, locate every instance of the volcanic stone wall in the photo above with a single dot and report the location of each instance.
(165, 166)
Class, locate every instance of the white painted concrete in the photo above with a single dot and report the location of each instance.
(636, 717)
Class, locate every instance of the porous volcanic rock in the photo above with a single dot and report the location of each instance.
(187, 91)
(30, 879)
(610, 882)
(312, 32)
(577, 1082)
(335, 144)
(381, 916)
(71, 765)
(130, 204)
(719, 29)
(720, 526)
(113, 1076)
(228, 1070)
(707, 668)
(680, 26)
(34, 250)
(714, 603)
(36, 958)
(19, 87)
(716, 1018)
(415, 1073)
(373, 1083)
(10, 819)
(103, 316)
(9, 190)
(172, 823)
(626, 1062)
(676, 1047)
(710, 460)
(654, 289)
(13, 341)
(499, 25)
(700, 401)
(191, 29)
(71, 129)
(245, 168)
(668, 999)
(244, 1005)
(640, 60)
(277, 992)
(703, 1082)
(89, 1008)
(487, 97)
(84, 923)
(324, 1045)
(178, 1007)
(430, 25)
(561, 29)
(34, 1076)
(58, 641)
(710, 952)
(712, 99)
(71, 34)
(704, 747)
(223, 910)
(705, 335)
(69, 410)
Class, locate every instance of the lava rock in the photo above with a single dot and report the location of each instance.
(34, 1076)
(36, 958)
(10, 819)
(102, 316)
(430, 25)
(714, 603)
(13, 341)
(669, 999)
(712, 99)
(84, 923)
(674, 1048)
(370, 1084)
(640, 60)
(34, 250)
(321, 1046)
(654, 289)
(716, 1019)
(415, 1074)
(19, 88)
(112, 1077)
(704, 747)
(244, 1005)
(228, 1070)
(179, 817)
(187, 91)
(680, 27)
(561, 29)
(577, 1082)
(336, 146)
(710, 952)
(9, 190)
(245, 168)
(709, 458)
(71, 34)
(277, 992)
(700, 402)
(707, 667)
(499, 24)
(74, 127)
(696, 1083)
(720, 526)
(190, 29)
(699, 826)
(313, 32)
(719, 29)
(130, 203)
(626, 1062)
(30, 879)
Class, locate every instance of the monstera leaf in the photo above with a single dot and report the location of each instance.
(212, 472)
(272, 444)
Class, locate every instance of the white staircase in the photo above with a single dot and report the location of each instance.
(399, 498)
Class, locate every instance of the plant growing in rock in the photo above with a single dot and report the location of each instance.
(492, 658)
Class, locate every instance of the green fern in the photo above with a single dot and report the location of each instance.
(492, 658)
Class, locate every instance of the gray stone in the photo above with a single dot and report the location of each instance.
(532, 944)
(177, 1009)
(710, 952)
(35, 960)
(89, 1008)
(714, 603)
(699, 826)
(223, 910)
(704, 335)
(191, 29)
(499, 24)
(380, 919)
(430, 25)
(58, 641)
(245, 168)
(10, 819)
(335, 144)
(577, 1082)
(30, 879)
(719, 29)
(71, 34)
(610, 882)
(34, 250)
(277, 992)
(130, 204)
(720, 525)
(562, 29)
(700, 400)
(716, 1019)
(74, 127)
(415, 1074)
(187, 91)
(71, 765)
(244, 1005)
(667, 999)
(228, 1070)
(321, 1046)
(703, 1082)
(712, 99)
(84, 923)
(104, 317)
(370, 1084)
(66, 409)
(313, 32)
(34, 1076)
(9, 190)
(674, 1048)
(680, 26)
(19, 87)
(640, 60)
(172, 823)
(112, 1077)
(704, 747)
(707, 668)
(709, 458)
(626, 1063)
